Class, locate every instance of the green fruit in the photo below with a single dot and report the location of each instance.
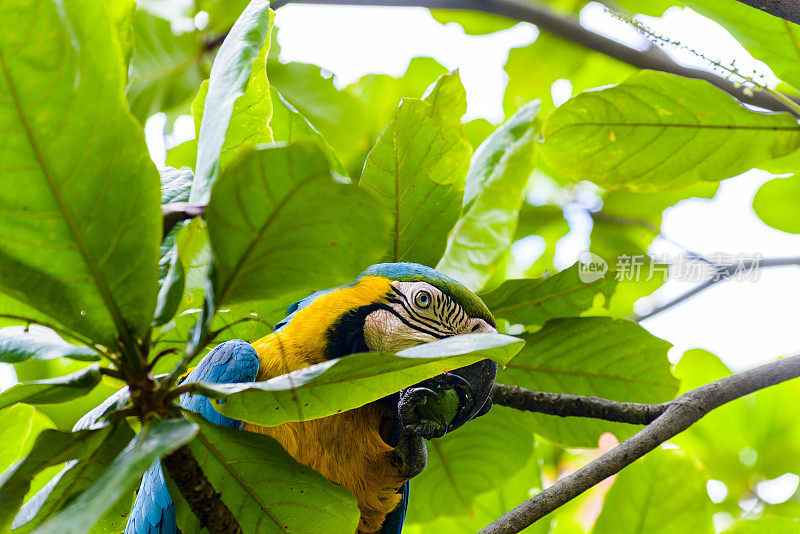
(445, 407)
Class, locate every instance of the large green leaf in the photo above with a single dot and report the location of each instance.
(497, 179)
(19, 426)
(766, 525)
(596, 356)
(662, 493)
(555, 59)
(52, 447)
(250, 119)
(345, 383)
(290, 125)
(52, 390)
(660, 131)
(472, 460)
(153, 441)
(418, 167)
(768, 38)
(79, 241)
(381, 93)
(776, 203)
(266, 489)
(72, 479)
(337, 115)
(19, 346)
(279, 222)
(166, 68)
(487, 506)
(231, 73)
(532, 302)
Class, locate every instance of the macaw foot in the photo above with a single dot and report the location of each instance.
(410, 454)
(432, 407)
(443, 403)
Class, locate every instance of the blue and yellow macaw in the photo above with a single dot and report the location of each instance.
(373, 450)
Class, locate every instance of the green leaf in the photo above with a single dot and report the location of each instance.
(153, 441)
(473, 23)
(751, 439)
(497, 179)
(72, 479)
(659, 131)
(279, 222)
(556, 58)
(183, 155)
(418, 167)
(121, 15)
(289, 125)
(171, 292)
(19, 346)
(63, 414)
(249, 123)
(766, 525)
(317, 391)
(447, 98)
(52, 390)
(547, 222)
(266, 489)
(52, 447)
(19, 426)
(768, 38)
(73, 245)
(468, 462)
(662, 493)
(381, 93)
(776, 201)
(477, 130)
(239, 60)
(337, 115)
(532, 302)
(486, 507)
(166, 68)
(595, 356)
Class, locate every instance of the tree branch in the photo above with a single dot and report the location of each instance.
(784, 9)
(679, 415)
(564, 405)
(206, 503)
(569, 28)
(721, 273)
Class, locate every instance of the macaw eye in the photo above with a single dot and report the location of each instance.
(422, 299)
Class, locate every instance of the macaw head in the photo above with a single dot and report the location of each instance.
(393, 306)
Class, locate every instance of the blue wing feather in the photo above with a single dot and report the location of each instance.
(394, 521)
(232, 361)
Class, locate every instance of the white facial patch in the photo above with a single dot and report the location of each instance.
(417, 313)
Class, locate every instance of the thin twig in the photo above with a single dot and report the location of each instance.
(570, 28)
(679, 415)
